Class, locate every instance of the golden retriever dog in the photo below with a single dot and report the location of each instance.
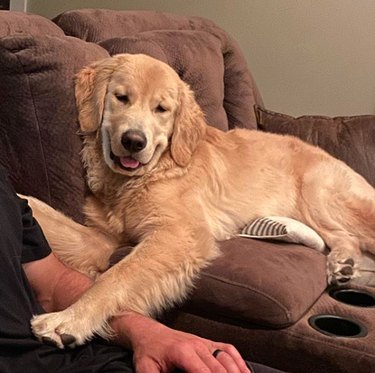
(171, 185)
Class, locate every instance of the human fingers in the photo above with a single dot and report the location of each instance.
(213, 364)
(235, 356)
(227, 361)
(193, 360)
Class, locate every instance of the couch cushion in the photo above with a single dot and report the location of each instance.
(239, 92)
(92, 24)
(17, 23)
(263, 283)
(351, 139)
(187, 52)
(38, 120)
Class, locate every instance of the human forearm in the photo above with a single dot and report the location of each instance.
(55, 285)
(69, 288)
(131, 327)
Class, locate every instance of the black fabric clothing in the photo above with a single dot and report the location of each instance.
(22, 241)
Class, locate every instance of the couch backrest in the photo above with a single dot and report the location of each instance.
(38, 128)
(39, 144)
(203, 54)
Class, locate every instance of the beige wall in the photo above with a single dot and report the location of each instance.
(307, 56)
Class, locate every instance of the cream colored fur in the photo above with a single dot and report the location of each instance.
(195, 185)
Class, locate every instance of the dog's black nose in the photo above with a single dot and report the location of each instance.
(133, 141)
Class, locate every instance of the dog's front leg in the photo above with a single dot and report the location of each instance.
(158, 272)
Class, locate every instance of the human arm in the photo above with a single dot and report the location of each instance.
(156, 347)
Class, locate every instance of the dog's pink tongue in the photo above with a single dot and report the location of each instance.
(129, 162)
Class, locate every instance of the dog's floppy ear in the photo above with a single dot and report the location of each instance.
(189, 127)
(90, 90)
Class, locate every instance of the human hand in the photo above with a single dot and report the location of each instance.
(159, 349)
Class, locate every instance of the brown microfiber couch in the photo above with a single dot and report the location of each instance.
(258, 295)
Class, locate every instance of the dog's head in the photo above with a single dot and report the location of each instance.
(142, 109)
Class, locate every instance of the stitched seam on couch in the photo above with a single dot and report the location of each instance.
(283, 307)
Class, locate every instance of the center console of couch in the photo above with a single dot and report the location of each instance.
(269, 299)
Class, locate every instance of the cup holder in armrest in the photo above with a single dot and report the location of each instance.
(353, 297)
(336, 326)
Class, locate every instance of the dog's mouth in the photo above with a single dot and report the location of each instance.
(127, 163)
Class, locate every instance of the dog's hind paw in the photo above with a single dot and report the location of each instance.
(341, 271)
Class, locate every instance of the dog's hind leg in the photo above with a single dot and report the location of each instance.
(82, 248)
(344, 257)
(340, 205)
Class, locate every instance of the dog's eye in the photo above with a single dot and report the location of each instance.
(160, 109)
(123, 98)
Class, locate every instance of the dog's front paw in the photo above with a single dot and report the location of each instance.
(341, 271)
(60, 329)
